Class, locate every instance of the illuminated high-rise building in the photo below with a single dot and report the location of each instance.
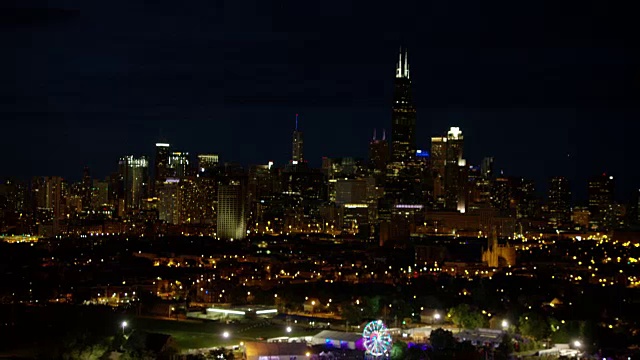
(48, 193)
(351, 191)
(455, 177)
(86, 190)
(403, 117)
(232, 221)
(438, 162)
(523, 198)
(449, 170)
(135, 177)
(207, 162)
(379, 153)
(600, 193)
(262, 183)
(501, 193)
(99, 193)
(559, 201)
(179, 164)
(169, 206)
(486, 168)
(297, 145)
(162, 162)
(13, 209)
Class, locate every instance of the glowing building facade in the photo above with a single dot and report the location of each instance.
(232, 222)
(207, 162)
(403, 117)
(135, 177)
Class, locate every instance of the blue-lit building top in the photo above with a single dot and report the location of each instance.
(422, 153)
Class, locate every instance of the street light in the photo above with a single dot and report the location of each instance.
(124, 325)
(436, 316)
(288, 329)
(225, 334)
(577, 344)
(505, 324)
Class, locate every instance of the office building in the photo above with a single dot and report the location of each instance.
(449, 171)
(161, 165)
(524, 198)
(297, 145)
(403, 118)
(179, 164)
(86, 189)
(169, 201)
(232, 222)
(48, 193)
(438, 162)
(134, 174)
(600, 192)
(99, 193)
(486, 168)
(207, 162)
(559, 202)
(501, 195)
(379, 153)
(580, 217)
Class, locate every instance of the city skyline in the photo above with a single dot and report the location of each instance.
(204, 86)
(345, 179)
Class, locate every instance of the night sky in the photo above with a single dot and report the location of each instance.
(546, 87)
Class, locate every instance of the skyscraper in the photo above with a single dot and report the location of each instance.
(87, 189)
(162, 161)
(207, 162)
(99, 193)
(454, 176)
(135, 176)
(297, 145)
(232, 222)
(378, 153)
(559, 201)
(169, 207)
(438, 162)
(486, 168)
(179, 164)
(600, 193)
(403, 117)
(449, 170)
(48, 193)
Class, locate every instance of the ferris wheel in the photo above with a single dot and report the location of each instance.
(377, 340)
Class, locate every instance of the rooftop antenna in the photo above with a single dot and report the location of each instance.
(399, 68)
(406, 64)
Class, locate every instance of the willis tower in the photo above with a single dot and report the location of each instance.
(403, 118)
(403, 178)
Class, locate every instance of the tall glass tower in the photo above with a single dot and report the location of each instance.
(297, 144)
(403, 117)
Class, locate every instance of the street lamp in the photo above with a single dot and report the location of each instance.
(225, 334)
(577, 344)
(288, 329)
(505, 324)
(124, 325)
(437, 316)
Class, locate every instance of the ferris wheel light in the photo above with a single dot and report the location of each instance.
(376, 338)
